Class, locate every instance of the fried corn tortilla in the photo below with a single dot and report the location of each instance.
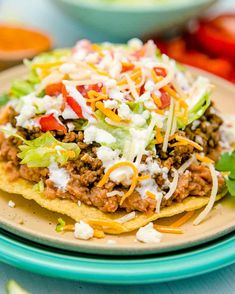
(93, 216)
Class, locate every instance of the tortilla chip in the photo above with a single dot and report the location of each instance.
(92, 215)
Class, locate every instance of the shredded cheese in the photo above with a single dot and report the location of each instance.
(132, 87)
(94, 96)
(118, 165)
(115, 193)
(47, 65)
(168, 229)
(173, 185)
(204, 158)
(107, 112)
(187, 141)
(211, 202)
(150, 195)
(144, 177)
(168, 127)
(156, 100)
(159, 137)
(126, 218)
(159, 80)
(182, 220)
(186, 165)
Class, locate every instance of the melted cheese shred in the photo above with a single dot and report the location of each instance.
(107, 112)
(211, 202)
(186, 165)
(168, 126)
(204, 159)
(126, 218)
(94, 96)
(186, 141)
(134, 178)
(173, 185)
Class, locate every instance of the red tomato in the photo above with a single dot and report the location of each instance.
(50, 123)
(218, 35)
(127, 66)
(83, 91)
(75, 106)
(165, 100)
(160, 71)
(54, 89)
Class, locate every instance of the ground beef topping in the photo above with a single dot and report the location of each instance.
(87, 170)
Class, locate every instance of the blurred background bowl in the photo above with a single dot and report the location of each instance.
(128, 20)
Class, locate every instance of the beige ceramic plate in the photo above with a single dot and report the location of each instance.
(31, 221)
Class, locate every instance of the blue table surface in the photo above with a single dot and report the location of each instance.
(42, 14)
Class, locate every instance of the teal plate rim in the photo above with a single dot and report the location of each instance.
(116, 270)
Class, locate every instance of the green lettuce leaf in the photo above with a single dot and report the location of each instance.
(4, 98)
(40, 151)
(120, 133)
(51, 56)
(196, 111)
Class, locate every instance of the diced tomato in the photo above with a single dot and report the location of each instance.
(96, 87)
(50, 123)
(142, 90)
(160, 71)
(165, 100)
(82, 90)
(75, 106)
(54, 89)
(218, 35)
(127, 66)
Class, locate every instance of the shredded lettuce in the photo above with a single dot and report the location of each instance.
(136, 107)
(4, 98)
(120, 133)
(196, 111)
(39, 187)
(60, 226)
(80, 124)
(40, 151)
(22, 87)
(123, 134)
(51, 56)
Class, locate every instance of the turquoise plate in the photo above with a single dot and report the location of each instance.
(109, 270)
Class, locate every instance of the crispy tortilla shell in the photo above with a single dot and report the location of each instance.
(92, 215)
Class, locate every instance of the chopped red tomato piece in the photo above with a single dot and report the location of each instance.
(54, 89)
(160, 71)
(83, 90)
(50, 123)
(165, 100)
(75, 106)
(127, 66)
